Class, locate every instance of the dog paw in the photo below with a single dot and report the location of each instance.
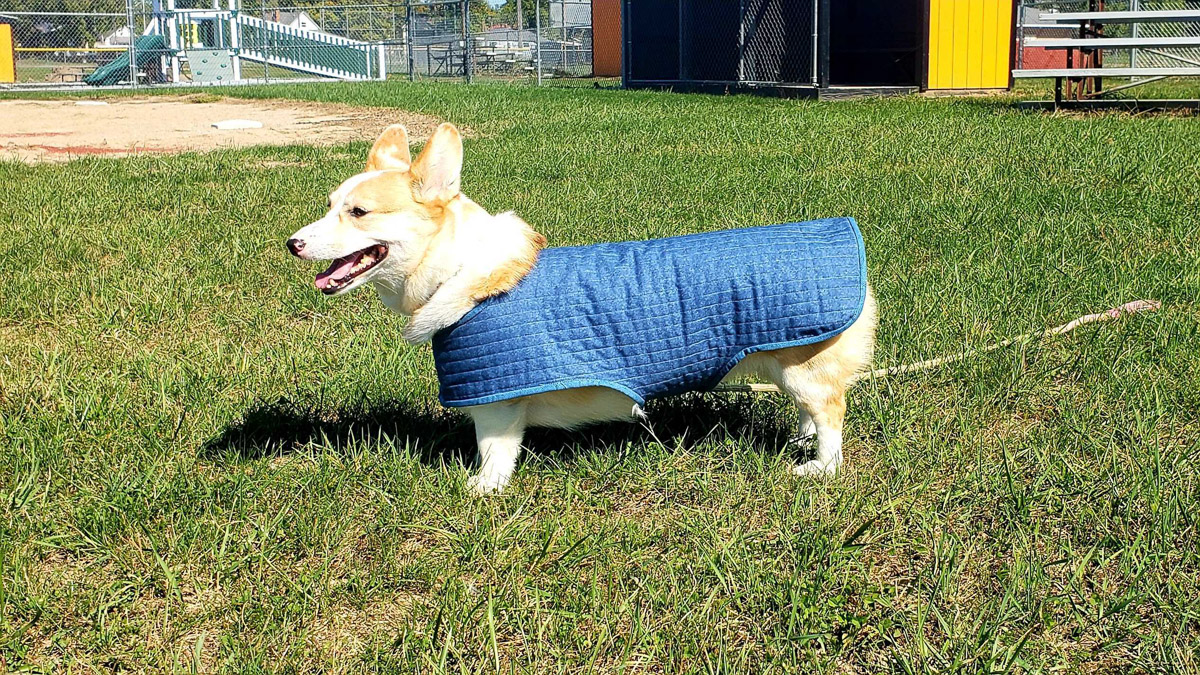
(482, 485)
(815, 469)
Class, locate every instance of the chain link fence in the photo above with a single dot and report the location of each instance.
(53, 45)
(142, 43)
(714, 42)
(1162, 58)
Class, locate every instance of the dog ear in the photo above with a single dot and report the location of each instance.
(390, 150)
(439, 165)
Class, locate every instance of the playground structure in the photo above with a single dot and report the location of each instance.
(210, 46)
(158, 43)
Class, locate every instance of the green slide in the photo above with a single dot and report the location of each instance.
(148, 49)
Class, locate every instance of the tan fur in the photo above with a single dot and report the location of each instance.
(437, 167)
(506, 277)
(390, 191)
(390, 150)
(446, 254)
(832, 363)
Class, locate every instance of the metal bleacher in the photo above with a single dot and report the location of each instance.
(1085, 70)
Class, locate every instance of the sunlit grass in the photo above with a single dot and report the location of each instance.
(206, 465)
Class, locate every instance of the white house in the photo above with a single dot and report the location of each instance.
(301, 19)
(118, 37)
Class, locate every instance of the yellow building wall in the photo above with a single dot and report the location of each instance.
(969, 43)
(8, 65)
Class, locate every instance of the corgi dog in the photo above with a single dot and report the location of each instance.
(433, 255)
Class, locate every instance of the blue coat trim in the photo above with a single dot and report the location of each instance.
(658, 317)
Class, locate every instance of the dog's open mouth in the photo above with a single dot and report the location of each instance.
(343, 271)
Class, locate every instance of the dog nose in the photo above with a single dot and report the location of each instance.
(295, 246)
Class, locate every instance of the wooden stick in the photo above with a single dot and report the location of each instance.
(1135, 307)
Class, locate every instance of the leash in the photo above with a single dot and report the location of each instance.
(1135, 307)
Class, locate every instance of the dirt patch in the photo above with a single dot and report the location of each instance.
(343, 631)
(57, 131)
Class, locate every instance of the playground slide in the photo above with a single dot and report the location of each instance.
(147, 48)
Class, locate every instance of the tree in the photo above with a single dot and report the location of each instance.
(507, 12)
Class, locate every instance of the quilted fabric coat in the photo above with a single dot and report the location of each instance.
(655, 318)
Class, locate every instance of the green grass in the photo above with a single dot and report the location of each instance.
(41, 70)
(205, 465)
(1170, 88)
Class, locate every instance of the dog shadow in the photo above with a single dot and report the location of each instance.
(283, 426)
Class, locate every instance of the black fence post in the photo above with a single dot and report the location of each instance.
(741, 44)
(626, 41)
(408, 40)
(466, 32)
(823, 41)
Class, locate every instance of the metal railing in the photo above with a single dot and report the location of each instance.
(1033, 22)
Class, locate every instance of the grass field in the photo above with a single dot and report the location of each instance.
(205, 465)
(42, 70)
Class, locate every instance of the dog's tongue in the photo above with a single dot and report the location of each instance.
(339, 269)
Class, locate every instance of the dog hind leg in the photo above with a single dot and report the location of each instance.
(822, 403)
(827, 418)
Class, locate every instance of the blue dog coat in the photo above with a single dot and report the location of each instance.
(654, 318)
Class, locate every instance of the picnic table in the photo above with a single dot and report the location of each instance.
(67, 74)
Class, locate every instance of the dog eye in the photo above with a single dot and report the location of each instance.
(358, 212)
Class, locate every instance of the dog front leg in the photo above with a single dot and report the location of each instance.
(499, 429)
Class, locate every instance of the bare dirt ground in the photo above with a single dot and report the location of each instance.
(56, 131)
